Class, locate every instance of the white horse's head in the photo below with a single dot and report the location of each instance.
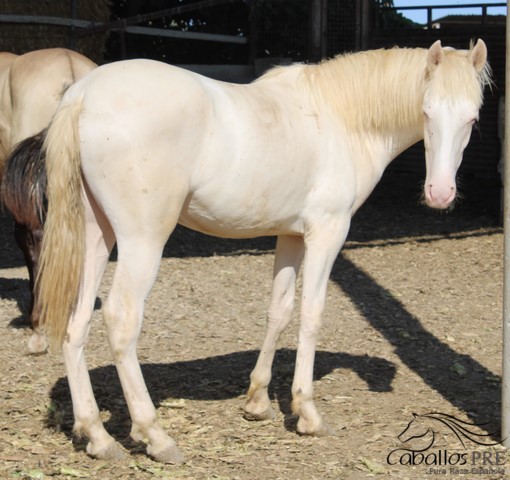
(454, 94)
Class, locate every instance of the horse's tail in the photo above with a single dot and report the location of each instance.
(24, 183)
(63, 248)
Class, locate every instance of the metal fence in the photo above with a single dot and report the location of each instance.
(204, 31)
(34, 24)
(283, 28)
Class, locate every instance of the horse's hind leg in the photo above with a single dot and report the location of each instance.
(288, 257)
(99, 241)
(139, 256)
(29, 242)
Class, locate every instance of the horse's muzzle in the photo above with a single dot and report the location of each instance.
(440, 195)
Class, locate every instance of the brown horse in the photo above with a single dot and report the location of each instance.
(31, 86)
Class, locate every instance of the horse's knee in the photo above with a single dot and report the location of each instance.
(123, 328)
(282, 308)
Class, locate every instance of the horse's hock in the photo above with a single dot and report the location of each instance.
(23, 37)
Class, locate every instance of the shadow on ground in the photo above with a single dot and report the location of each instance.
(477, 392)
(212, 378)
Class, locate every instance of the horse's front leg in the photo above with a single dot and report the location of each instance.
(321, 249)
(288, 257)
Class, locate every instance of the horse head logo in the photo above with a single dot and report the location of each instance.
(417, 429)
(425, 426)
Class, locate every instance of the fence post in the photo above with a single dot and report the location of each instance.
(72, 30)
(318, 29)
(505, 378)
(366, 23)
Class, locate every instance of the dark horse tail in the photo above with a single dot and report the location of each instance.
(23, 193)
(24, 183)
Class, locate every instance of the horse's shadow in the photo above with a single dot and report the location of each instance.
(16, 289)
(212, 378)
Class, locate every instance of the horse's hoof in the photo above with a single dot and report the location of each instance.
(37, 344)
(112, 452)
(267, 414)
(170, 454)
(323, 430)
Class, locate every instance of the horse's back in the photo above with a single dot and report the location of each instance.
(59, 61)
(244, 160)
(229, 147)
(141, 108)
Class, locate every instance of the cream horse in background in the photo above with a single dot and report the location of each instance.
(139, 146)
(31, 87)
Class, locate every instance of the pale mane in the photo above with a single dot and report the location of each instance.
(384, 89)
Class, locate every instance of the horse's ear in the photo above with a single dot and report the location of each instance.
(478, 55)
(435, 55)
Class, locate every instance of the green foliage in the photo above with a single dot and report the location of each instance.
(393, 20)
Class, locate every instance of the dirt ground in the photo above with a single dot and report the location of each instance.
(412, 325)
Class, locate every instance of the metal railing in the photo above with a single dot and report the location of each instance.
(430, 9)
(130, 25)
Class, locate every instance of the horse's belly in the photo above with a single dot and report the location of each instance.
(231, 219)
(221, 229)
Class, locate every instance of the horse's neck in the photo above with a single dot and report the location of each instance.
(376, 97)
(372, 153)
(392, 144)
(391, 126)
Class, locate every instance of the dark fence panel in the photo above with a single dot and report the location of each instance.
(23, 37)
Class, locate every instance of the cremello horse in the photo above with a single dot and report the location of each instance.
(139, 146)
(31, 87)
